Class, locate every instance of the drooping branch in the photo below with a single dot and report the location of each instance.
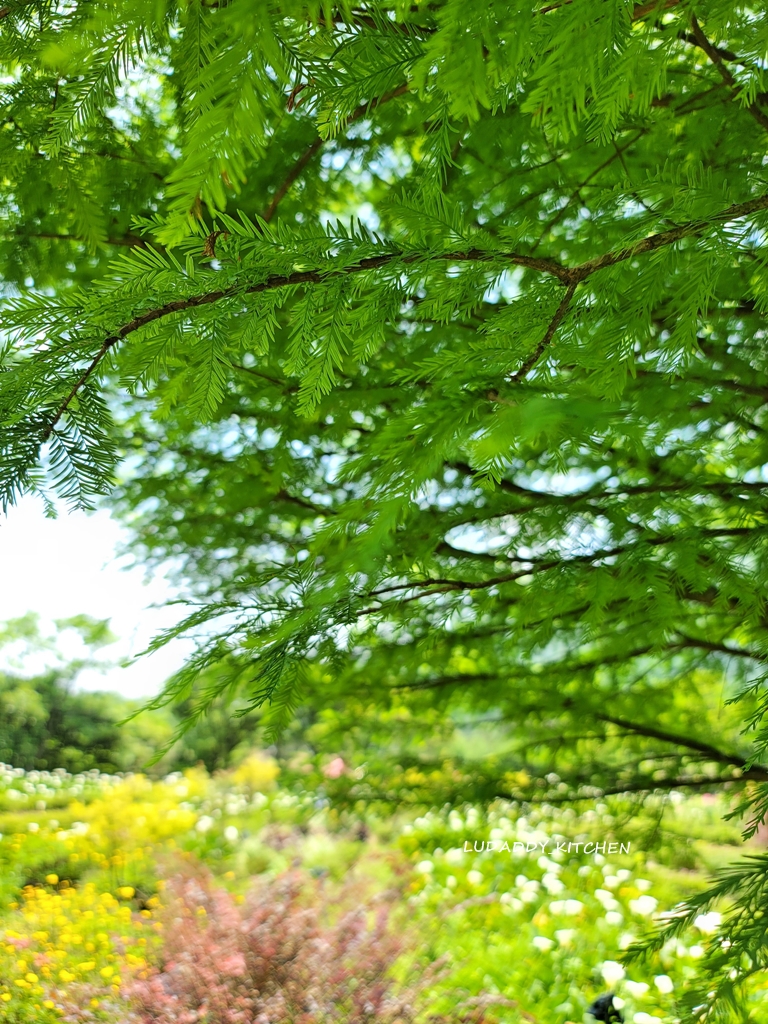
(713, 753)
(568, 276)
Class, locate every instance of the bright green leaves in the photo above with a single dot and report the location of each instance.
(232, 72)
(512, 403)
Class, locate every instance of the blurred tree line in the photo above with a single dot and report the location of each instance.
(46, 722)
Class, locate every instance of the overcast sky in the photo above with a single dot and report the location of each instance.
(67, 566)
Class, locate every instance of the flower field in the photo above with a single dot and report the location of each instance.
(183, 899)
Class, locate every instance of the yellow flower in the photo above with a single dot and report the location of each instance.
(6, 997)
(52, 879)
(94, 1003)
(49, 1004)
(66, 976)
(31, 978)
(107, 972)
(126, 892)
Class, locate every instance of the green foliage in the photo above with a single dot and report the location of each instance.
(47, 724)
(435, 348)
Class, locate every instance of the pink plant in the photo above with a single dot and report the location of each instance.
(276, 959)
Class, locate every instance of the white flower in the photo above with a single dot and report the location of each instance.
(645, 1018)
(451, 881)
(606, 898)
(636, 989)
(425, 867)
(565, 936)
(572, 906)
(643, 884)
(614, 917)
(611, 881)
(475, 877)
(612, 972)
(542, 943)
(664, 984)
(708, 923)
(622, 874)
(552, 884)
(696, 952)
(512, 904)
(548, 865)
(231, 833)
(204, 824)
(643, 905)
(33, 826)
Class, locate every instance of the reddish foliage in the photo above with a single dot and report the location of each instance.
(273, 960)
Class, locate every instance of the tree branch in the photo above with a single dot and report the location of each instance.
(533, 565)
(715, 55)
(651, 786)
(680, 741)
(719, 648)
(568, 276)
(546, 341)
(658, 241)
(315, 146)
(640, 10)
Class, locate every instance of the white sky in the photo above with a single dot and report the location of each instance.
(68, 566)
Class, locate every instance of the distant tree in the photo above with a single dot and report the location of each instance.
(436, 347)
(46, 722)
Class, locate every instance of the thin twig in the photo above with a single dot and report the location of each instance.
(317, 145)
(715, 56)
(640, 11)
(651, 732)
(546, 341)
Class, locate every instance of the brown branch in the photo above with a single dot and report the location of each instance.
(459, 680)
(719, 648)
(126, 240)
(317, 144)
(640, 11)
(569, 276)
(291, 177)
(310, 506)
(680, 741)
(651, 786)
(546, 341)
(532, 565)
(715, 55)
(664, 238)
(558, 216)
